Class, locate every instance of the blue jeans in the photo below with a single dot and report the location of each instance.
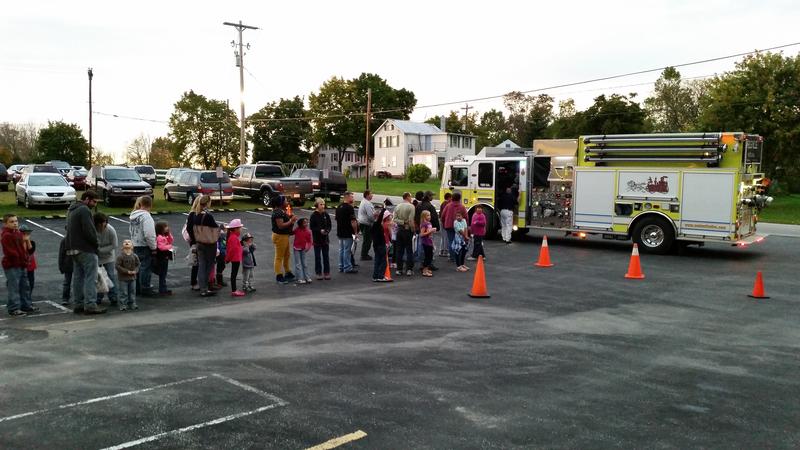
(19, 294)
(145, 262)
(345, 254)
(322, 263)
(379, 263)
(127, 293)
(111, 269)
(451, 235)
(300, 268)
(84, 279)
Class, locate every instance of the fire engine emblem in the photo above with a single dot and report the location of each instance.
(652, 185)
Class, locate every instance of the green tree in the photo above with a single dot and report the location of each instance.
(20, 140)
(207, 130)
(454, 124)
(616, 114)
(387, 103)
(280, 131)
(138, 151)
(568, 122)
(674, 105)
(101, 158)
(492, 130)
(761, 96)
(529, 116)
(62, 141)
(163, 153)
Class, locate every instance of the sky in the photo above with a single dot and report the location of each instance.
(145, 54)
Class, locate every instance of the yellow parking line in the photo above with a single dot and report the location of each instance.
(341, 440)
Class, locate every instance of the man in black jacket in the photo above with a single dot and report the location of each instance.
(82, 246)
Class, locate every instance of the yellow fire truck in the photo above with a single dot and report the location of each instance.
(657, 189)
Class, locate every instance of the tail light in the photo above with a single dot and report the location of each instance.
(315, 184)
(280, 187)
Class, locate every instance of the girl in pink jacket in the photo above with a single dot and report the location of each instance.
(233, 254)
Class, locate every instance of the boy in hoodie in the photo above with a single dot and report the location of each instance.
(127, 266)
(15, 265)
(143, 237)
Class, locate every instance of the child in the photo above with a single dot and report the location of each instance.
(164, 241)
(302, 244)
(381, 241)
(233, 254)
(426, 231)
(65, 267)
(478, 230)
(222, 250)
(31, 246)
(15, 265)
(320, 225)
(445, 244)
(127, 271)
(461, 241)
(248, 262)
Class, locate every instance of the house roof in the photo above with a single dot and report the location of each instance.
(409, 127)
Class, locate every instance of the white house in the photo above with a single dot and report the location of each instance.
(328, 158)
(400, 143)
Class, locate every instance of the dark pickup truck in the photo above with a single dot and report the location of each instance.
(264, 181)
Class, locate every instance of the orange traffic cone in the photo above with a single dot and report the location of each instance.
(635, 267)
(758, 287)
(388, 274)
(544, 255)
(479, 282)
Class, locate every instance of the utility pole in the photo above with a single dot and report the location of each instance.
(366, 144)
(90, 116)
(240, 64)
(466, 109)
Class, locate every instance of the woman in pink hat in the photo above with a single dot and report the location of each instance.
(233, 254)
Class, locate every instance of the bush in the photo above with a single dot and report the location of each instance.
(418, 173)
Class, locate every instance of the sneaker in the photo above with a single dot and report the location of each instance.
(31, 310)
(320, 278)
(366, 258)
(289, 276)
(327, 276)
(134, 307)
(17, 313)
(409, 272)
(195, 287)
(239, 293)
(92, 309)
(249, 289)
(308, 279)
(301, 281)
(382, 280)
(122, 307)
(398, 273)
(207, 293)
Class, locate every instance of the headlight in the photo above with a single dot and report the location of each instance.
(149, 190)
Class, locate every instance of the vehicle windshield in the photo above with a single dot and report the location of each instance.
(145, 169)
(45, 168)
(47, 180)
(211, 177)
(122, 175)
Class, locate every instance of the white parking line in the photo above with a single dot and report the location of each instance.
(101, 399)
(31, 316)
(249, 388)
(56, 305)
(44, 228)
(121, 220)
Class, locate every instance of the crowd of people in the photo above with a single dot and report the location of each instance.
(96, 266)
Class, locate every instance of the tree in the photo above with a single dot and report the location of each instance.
(207, 130)
(529, 116)
(20, 140)
(339, 108)
(454, 124)
(568, 122)
(62, 141)
(492, 130)
(613, 115)
(100, 158)
(163, 153)
(138, 151)
(761, 96)
(280, 131)
(6, 157)
(674, 105)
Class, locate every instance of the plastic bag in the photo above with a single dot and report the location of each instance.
(191, 257)
(104, 283)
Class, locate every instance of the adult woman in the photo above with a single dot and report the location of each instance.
(281, 229)
(107, 245)
(320, 230)
(203, 234)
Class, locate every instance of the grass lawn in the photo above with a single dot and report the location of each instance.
(8, 205)
(385, 186)
(784, 209)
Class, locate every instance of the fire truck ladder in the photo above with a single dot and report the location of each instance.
(666, 147)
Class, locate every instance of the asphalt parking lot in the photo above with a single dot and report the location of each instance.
(573, 356)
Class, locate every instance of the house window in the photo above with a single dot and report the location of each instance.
(334, 157)
(322, 156)
(392, 127)
(394, 161)
(453, 141)
(383, 161)
(380, 142)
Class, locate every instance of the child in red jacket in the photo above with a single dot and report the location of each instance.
(15, 266)
(233, 254)
(302, 244)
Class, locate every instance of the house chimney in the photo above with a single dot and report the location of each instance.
(442, 120)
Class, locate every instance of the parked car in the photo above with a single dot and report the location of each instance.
(62, 166)
(161, 176)
(192, 183)
(383, 174)
(114, 183)
(37, 168)
(148, 174)
(264, 181)
(79, 168)
(324, 183)
(15, 172)
(44, 189)
(173, 173)
(78, 178)
(4, 178)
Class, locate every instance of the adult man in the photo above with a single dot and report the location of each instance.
(366, 217)
(506, 204)
(346, 227)
(82, 246)
(403, 249)
(143, 236)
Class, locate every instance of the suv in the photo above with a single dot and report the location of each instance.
(324, 183)
(148, 174)
(114, 183)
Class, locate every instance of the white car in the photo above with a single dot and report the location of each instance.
(44, 188)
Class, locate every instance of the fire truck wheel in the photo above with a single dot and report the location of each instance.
(654, 235)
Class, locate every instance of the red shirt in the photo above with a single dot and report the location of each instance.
(15, 255)
(450, 213)
(302, 238)
(234, 249)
